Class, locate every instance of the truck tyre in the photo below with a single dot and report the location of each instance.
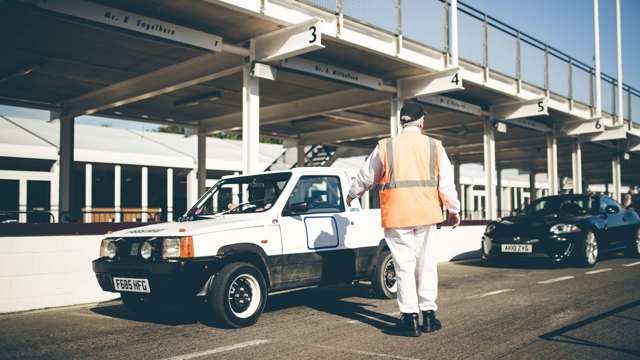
(237, 295)
(384, 277)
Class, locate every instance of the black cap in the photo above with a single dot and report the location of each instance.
(411, 112)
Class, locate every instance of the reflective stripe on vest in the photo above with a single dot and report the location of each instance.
(393, 184)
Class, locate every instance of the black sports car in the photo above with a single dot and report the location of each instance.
(564, 227)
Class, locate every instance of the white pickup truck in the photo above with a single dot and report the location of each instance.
(247, 237)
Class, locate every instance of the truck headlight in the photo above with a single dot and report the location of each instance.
(564, 229)
(108, 248)
(175, 247)
(146, 250)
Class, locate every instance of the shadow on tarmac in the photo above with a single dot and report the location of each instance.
(467, 259)
(561, 334)
(328, 299)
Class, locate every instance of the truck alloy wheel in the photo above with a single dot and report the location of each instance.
(383, 280)
(237, 295)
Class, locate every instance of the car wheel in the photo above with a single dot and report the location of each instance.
(237, 295)
(384, 281)
(139, 304)
(588, 250)
(633, 249)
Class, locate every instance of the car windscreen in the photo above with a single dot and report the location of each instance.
(240, 195)
(566, 205)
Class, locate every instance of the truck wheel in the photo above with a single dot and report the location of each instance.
(384, 277)
(633, 249)
(587, 250)
(237, 295)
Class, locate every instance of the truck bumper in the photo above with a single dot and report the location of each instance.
(167, 279)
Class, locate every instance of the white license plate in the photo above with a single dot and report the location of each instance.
(517, 248)
(131, 285)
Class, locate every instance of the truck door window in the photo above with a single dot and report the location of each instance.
(322, 194)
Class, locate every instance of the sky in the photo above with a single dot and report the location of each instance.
(564, 24)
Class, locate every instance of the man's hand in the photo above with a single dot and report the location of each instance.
(453, 219)
(349, 200)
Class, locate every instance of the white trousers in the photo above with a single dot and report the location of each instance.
(416, 268)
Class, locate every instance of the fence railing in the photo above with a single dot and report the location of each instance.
(490, 43)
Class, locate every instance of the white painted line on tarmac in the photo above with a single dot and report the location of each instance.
(598, 271)
(219, 350)
(562, 278)
(489, 294)
(632, 264)
(353, 351)
(372, 317)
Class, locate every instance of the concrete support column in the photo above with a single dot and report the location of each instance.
(532, 186)
(394, 120)
(22, 200)
(490, 169)
(117, 192)
(499, 192)
(202, 163)
(88, 193)
(463, 200)
(54, 197)
(192, 188)
(65, 173)
(552, 163)
(169, 194)
(456, 177)
(301, 156)
(144, 201)
(470, 207)
(250, 121)
(616, 178)
(576, 166)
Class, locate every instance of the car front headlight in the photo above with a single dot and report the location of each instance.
(146, 250)
(177, 247)
(564, 229)
(490, 228)
(108, 248)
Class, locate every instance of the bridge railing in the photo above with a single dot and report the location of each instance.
(491, 43)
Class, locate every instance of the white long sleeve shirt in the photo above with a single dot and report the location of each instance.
(372, 171)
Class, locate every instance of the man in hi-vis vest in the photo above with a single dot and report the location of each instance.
(415, 178)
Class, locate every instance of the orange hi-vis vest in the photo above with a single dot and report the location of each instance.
(409, 187)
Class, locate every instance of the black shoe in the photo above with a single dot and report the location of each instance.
(408, 326)
(429, 322)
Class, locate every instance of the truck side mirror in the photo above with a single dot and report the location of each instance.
(297, 208)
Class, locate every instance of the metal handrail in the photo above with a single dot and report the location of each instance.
(521, 36)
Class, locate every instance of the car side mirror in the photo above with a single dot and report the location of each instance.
(297, 208)
(515, 212)
(610, 209)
